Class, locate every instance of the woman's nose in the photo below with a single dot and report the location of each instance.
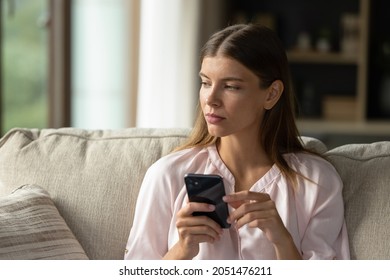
(213, 98)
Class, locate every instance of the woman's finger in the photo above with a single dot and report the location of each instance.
(192, 207)
(245, 196)
(187, 223)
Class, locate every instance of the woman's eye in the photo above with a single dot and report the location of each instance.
(232, 87)
(205, 84)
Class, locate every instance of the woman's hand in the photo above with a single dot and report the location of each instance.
(257, 210)
(193, 230)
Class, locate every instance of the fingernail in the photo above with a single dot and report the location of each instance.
(211, 207)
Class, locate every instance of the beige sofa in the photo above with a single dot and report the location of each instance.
(93, 177)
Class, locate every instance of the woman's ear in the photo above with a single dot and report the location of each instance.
(274, 92)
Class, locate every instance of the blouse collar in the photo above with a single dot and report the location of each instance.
(260, 184)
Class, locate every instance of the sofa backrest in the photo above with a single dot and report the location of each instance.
(365, 171)
(93, 177)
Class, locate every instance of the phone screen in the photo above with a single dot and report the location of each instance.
(208, 188)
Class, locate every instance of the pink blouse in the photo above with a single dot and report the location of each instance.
(313, 213)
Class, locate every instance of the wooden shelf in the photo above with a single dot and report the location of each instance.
(345, 98)
(380, 128)
(322, 58)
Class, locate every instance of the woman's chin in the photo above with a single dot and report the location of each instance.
(216, 132)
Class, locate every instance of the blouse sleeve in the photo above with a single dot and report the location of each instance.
(153, 214)
(326, 236)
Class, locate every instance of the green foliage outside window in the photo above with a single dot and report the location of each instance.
(25, 63)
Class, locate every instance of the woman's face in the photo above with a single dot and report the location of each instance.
(231, 98)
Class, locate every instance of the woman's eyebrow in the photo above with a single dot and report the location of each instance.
(224, 79)
(233, 79)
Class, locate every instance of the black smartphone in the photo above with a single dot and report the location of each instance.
(208, 188)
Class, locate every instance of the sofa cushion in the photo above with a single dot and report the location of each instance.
(32, 228)
(364, 169)
(314, 144)
(92, 176)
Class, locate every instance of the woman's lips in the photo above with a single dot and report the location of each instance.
(213, 119)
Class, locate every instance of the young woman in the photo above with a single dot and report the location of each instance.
(284, 201)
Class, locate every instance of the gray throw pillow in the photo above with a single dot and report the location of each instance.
(32, 228)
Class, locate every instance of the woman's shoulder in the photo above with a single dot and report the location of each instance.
(309, 160)
(179, 159)
(313, 166)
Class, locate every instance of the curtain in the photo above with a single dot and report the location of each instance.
(168, 65)
(134, 63)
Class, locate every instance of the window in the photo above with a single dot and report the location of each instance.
(57, 71)
(24, 64)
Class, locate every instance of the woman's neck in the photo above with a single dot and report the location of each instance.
(246, 160)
